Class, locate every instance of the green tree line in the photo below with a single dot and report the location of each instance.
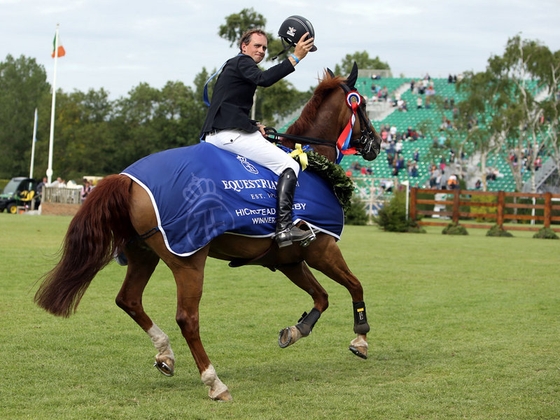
(95, 135)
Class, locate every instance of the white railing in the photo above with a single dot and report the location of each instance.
(61, 195)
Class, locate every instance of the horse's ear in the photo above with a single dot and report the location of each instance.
(330, 72)
(351, 81)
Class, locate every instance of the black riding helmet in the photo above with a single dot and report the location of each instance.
(293, 28)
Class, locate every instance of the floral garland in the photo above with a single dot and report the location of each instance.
(343, 186)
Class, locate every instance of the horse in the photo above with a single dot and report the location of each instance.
(118, 222)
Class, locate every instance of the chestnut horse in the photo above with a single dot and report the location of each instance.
(119, 218)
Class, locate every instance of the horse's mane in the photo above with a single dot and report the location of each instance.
(309, 112)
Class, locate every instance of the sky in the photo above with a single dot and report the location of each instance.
(118, 44)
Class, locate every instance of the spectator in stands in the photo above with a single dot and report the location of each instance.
(450, 79)
(395, 166)
(412, 83)
(398, 146)
(538, 163)
(411, 134)
(513, 158)
(413, 169)
(386, 185)
(430, 92)
(383, 93)
(452, 182)
(400, 163)
(442, 164)
(416, 156)
(384, 135)
(419, 102)
(435, 177)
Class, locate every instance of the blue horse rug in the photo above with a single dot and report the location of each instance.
(200, 192)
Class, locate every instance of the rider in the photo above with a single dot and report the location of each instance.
(229, 127)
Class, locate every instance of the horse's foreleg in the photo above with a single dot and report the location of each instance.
(331, 263)
(142, 262)
(302, 277)
(189, 276)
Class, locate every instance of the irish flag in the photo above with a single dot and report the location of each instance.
(60, 51)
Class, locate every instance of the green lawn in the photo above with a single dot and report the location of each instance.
(463, 327)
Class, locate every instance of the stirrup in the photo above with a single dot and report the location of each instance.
(284, 238)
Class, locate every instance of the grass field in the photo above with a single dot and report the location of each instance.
(462, 328)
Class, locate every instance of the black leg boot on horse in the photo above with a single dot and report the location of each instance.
(286, 232)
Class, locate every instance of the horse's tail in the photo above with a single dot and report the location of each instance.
(100, 227)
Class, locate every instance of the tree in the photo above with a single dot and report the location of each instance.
(363, 60)
(237, 23)
(520, 123)
(23, 83)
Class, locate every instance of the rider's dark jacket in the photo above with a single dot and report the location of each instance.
(232, 98)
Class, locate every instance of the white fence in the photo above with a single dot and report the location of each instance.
(61, 195)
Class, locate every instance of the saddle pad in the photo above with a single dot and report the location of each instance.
(200, 192)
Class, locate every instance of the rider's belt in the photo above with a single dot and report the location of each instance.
(211, 133)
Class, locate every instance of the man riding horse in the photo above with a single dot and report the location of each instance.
(229, 127)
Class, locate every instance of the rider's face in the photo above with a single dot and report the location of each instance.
(256, 47)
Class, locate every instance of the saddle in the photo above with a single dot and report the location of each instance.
(200, 192)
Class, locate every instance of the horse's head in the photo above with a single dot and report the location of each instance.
(364, 139)
(335, 122)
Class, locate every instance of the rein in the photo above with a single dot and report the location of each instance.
(272, 135)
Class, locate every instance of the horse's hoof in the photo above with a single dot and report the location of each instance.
(224, 396)
(359, 346)
(288, 336)
(164, 368)
(359, 351)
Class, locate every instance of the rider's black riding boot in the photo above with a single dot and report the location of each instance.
(286, 232)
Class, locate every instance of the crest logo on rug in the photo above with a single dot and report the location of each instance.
(208, 215)
(249, 167)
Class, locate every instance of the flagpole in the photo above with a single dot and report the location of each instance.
(33, 145)
(51, 135)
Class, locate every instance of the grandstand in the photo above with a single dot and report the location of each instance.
(384, 115)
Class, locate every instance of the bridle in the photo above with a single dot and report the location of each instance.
(367, 135)
(345, 145)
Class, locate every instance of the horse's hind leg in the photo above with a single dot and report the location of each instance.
(302, 277)
(189, 276)
(142, 262)
(330, 262)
